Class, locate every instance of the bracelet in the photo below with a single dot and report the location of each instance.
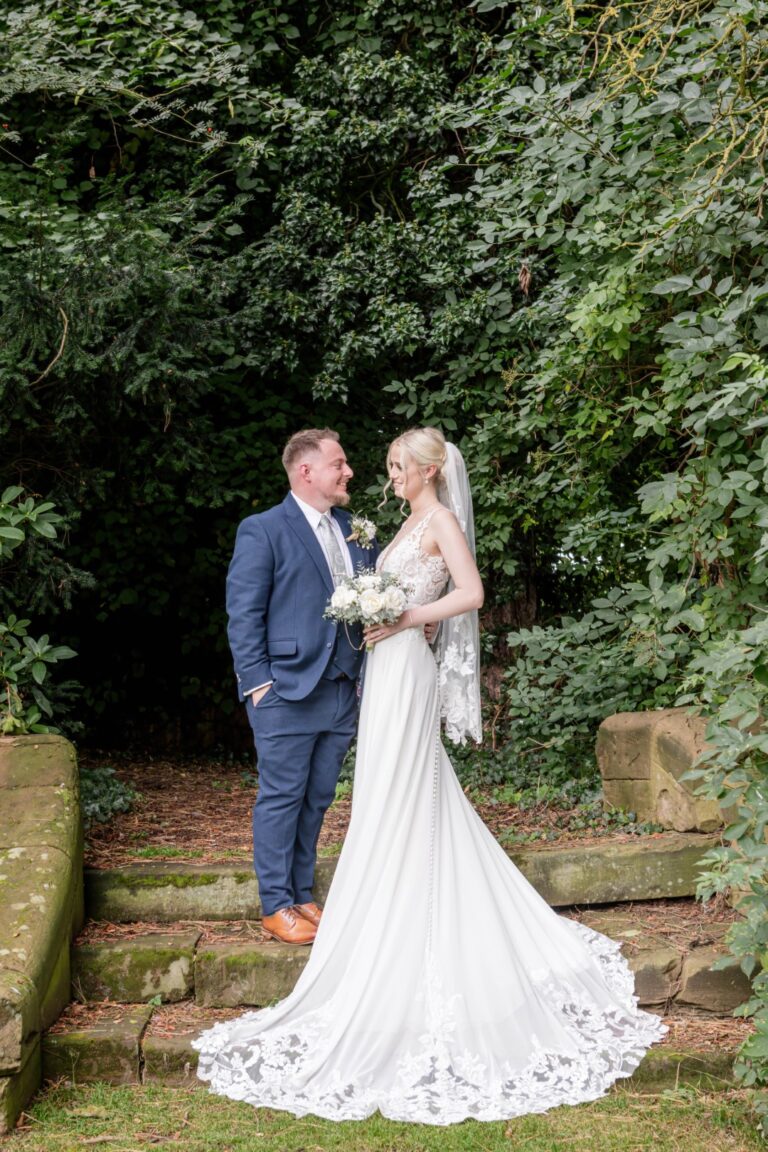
(410, 617)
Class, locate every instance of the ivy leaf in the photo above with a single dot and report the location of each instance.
(672, 284)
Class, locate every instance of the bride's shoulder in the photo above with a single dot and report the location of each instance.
(441, 525)
(442, 518)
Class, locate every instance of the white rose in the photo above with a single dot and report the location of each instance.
(394, 600)
(371, 603)
(343, 597)
(368, 580)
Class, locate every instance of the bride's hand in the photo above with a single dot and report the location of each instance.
(377, 632)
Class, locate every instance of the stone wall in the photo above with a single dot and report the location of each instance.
(642, 757)
(41, 903)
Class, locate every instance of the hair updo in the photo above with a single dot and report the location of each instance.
(423, 447)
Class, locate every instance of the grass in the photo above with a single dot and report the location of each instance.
(133, 1119)
(329, 851)
(166, 851)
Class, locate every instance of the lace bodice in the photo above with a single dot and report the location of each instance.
(424, 576)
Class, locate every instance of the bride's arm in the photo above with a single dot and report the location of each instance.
(443, 536)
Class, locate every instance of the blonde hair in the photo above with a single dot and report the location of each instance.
(422, 447)
(304, 442)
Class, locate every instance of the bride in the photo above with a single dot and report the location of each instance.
(440, 985)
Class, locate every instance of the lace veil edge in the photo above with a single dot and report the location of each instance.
(458, 645)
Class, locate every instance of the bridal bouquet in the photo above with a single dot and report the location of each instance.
(366, 598)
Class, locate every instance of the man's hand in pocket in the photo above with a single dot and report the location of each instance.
(259, 694)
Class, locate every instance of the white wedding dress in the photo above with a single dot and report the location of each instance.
(440, 986)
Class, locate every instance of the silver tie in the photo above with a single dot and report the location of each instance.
(332, 550)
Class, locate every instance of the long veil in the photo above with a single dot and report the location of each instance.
(458, 642)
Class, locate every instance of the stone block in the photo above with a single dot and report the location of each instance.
(166, 893)
(37, 892)
(657, 974)
(19, 1019)
(720, 991)
(108, 1049)
(171, 1060)
(227, 975)
(623, 747)
(648, 868)
(643, 757)
(41, 847)
(40, 817)
(678, 740)
(136, 969)
(169, 1057)
(56, 995)
(630, 796)
(39, 761)
(18, 1089)
(324, 870)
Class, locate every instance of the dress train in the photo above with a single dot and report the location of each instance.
(440, 986)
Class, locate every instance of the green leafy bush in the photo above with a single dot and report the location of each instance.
(25, 704)
(102, 794)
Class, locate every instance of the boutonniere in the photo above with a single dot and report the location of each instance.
(363, 532)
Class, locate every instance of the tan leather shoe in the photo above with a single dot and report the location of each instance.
(288, 926)
(311, 912)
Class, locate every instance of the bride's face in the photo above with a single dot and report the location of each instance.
(406, 478)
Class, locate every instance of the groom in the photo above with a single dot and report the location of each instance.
(296, 671)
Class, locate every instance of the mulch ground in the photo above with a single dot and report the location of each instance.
(201, 811)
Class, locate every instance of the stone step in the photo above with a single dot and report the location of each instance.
(136, 969)
(643, 868)
(231, 966)
(138, 1044)
(244, 970)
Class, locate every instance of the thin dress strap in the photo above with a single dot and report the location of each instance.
(415, 534)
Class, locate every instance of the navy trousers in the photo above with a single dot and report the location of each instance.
(300, 747)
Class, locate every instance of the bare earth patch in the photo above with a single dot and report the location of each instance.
(200, 811)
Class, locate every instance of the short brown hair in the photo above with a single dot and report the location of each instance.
(303, 442)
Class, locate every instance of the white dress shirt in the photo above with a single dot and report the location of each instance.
(313, 519)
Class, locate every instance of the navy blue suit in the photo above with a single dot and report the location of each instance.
(278, 587)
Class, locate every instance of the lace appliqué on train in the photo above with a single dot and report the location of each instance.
(434, 1083)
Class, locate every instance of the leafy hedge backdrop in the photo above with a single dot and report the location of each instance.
(538, 226)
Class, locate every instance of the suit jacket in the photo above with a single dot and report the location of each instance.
(278, 587)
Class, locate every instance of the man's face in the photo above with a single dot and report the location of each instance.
(327, 474)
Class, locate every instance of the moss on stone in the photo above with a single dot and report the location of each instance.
(247, 961)
(17, 1090)
(135, 970)
(175, 880)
